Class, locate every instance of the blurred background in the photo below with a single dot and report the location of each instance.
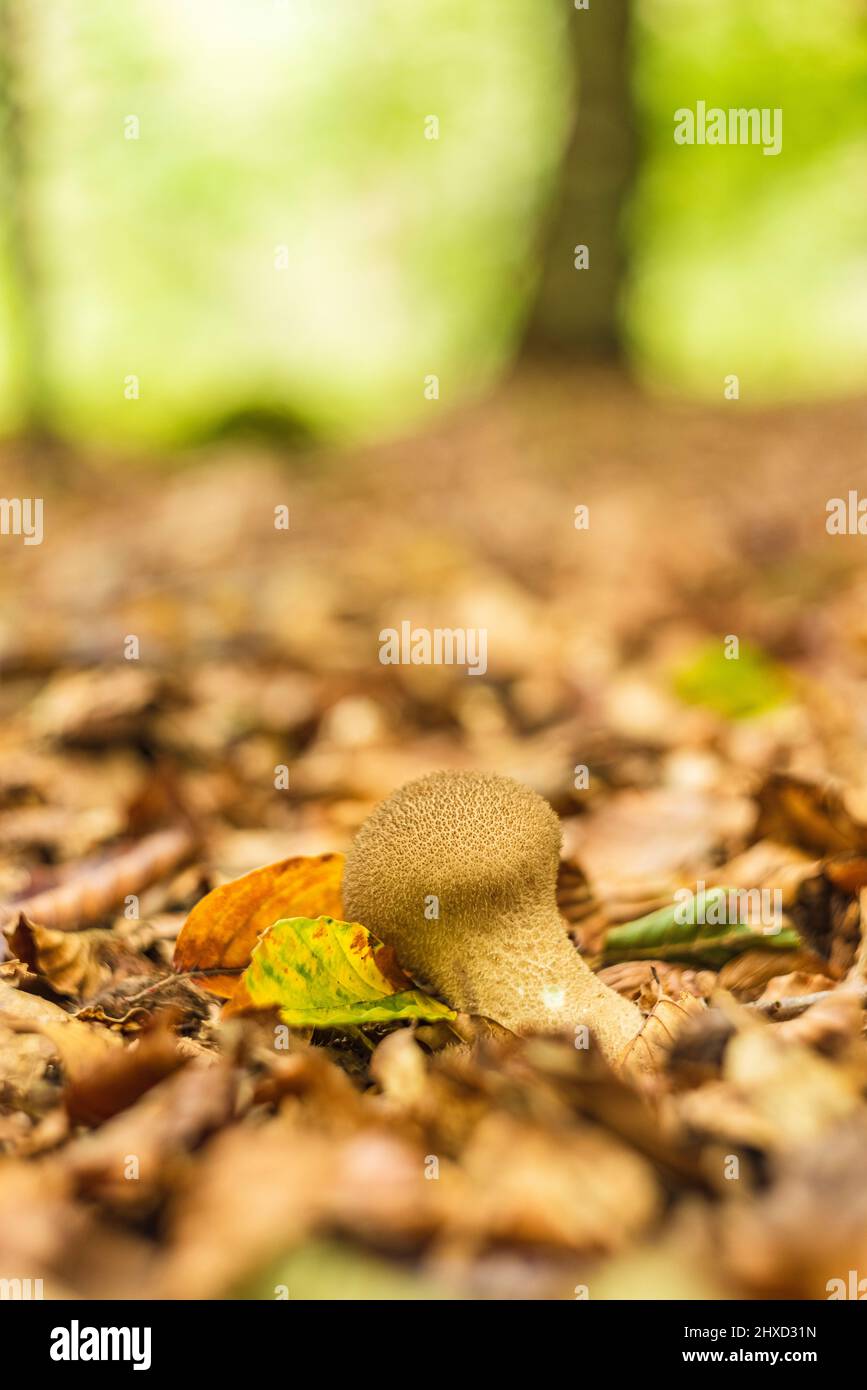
(286, 215)
(319, 260)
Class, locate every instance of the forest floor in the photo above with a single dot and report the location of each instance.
(167, 650)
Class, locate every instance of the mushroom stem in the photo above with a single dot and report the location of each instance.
(544, 985)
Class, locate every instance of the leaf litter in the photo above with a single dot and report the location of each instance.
(173, 1125)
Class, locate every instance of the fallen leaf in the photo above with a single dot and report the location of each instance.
(809, 1227)
(769, 864)
(399, 1068)
(796, 983)
(827, 910)
(747, 975)
(117, 1079)
(701, 941)
(78, 1046)
(678, 1265)
(577, 905)
(330, 1270)
(166, 1122)
(99, 705)
(828, 1025)
(652, 1045)
(38, 1222)
(131, 1003)
(809, 814)
(797, 1093)
(735, 689)
(698, 1050)
(29, 1076)
(320, 973)
(579, 1188)
(641, 843)
(97, 885)
(260, 1192)
(642, 980)
(76, 964)
(223, 928)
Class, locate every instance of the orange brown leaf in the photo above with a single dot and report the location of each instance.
(223, 928)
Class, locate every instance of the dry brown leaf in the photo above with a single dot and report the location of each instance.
(810, 1226)
(697, 1054)
(96, 705)
(29, 1076)
(117, 1079)
(399, 1068)
(129, 1003)
(645, 980)
(306, 1073)
(650, 1049)
(646, 840)
(156, 1131)
(579, 1189)
(223, 928)
(14, 972)
(747, 975)
(578, 907)
(38, 1222)
(97, 885)
(680, 1264)
(798, 1094)
(830, 1024)
(809, 814)
(77, 1044)
(76, 964)
(770, 864)
(260, 1192)
(827, 911)
(41, 1044)
(717, 1112)
(22, 1136)
(796, 983)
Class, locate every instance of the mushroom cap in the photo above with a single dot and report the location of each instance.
(481, 843)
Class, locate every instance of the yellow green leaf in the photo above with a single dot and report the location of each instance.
(737, 689)
(320, 973)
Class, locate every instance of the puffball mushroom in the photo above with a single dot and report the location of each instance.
(457, 872)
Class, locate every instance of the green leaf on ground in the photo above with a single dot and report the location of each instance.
(321, 973)
(694, 934)
(325, 1270)
(736, 688)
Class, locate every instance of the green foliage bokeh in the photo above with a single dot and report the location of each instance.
(283, 244)
(745, 263)
(268, 125)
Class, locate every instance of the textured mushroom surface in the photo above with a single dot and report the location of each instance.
(457, 871)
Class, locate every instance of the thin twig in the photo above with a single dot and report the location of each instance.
(780, 1010)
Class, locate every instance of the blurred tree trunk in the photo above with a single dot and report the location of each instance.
(576, 311)
(17, 221)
